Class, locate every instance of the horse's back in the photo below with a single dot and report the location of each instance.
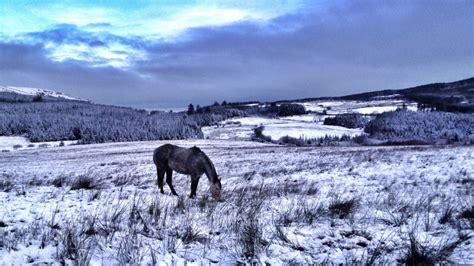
(163, 153)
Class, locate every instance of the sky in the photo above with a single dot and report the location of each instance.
(167, 54)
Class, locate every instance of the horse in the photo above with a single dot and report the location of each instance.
(191, 162)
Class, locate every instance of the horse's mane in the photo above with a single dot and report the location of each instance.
(209, 165)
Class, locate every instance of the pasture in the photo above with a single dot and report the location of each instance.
(99, 203)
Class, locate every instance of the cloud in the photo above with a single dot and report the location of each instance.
(70, 42)
(343, 48)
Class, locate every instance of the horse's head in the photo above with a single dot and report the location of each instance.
(216, 190)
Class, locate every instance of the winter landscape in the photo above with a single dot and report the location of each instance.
(334, 133)
(282, 204)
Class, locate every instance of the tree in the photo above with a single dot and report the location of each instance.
(224, 103)
(38, 97)
(198, 109)
(190, 109)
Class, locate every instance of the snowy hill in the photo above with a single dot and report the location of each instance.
(19, 94)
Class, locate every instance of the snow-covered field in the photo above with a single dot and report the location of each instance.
(363, 107)
(281, 205)
(37, 91)
(296, 126)
(12, 143)
(306, 126)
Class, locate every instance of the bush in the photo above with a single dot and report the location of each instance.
(58, 182)
(468, 213)
(286, 109)
(343, 208)
(352, 120)
(431, 253)
(291, 109)
(3, 224)
(258, 135)
(84, 182)
(422, 127)
(190, 235)
(6, 185)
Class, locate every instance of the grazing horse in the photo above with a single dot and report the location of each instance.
(191, 162)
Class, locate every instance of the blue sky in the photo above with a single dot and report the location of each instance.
(168, 53)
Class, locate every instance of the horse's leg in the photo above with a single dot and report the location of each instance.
(194, 184)
(169, 180)
(161, 177)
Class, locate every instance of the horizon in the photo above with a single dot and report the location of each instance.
(150, 54)
(184, 107)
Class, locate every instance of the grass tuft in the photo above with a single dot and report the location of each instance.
(84, 182)
(343, 208)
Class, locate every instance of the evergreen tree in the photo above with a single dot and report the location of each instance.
(190, 109)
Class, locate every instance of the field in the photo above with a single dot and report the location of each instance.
(307, 126)
(99, 204)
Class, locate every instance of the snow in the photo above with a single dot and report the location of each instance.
(389, 182)
(303, 118)
(14, 143)
(308, 131)
(304, 126)
(36, 91)
(364, 107)
(380, 109)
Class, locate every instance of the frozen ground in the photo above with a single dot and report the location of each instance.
(281, 205)
(363, 107)
(303, 126)
(37, 91)
(12, 143)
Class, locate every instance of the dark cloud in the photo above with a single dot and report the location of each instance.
(99, 25)
(26, 65)
(72, 34)
(350, 47)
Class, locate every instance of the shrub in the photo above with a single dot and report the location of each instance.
(468, 213)
(190, 235)
(181, 204)
(417, 254)
(6, 185)
(446, 216)
(430, 253)
(291, 109)
(422, 127)
(352, 120)
(343, 208)
(84, 182)
(258, 135)
(58, 182)
(77, 245)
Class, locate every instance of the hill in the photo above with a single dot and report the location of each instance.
(26, 94)
(455, 96)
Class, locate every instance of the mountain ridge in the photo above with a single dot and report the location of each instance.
(29, 94)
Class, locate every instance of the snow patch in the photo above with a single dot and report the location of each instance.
(13, 143)
(37, 91)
